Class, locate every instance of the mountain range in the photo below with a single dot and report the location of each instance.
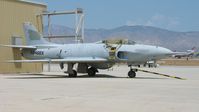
(173, 40)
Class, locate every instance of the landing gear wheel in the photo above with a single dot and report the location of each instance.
(131, 74)
(74, 74)
(92, 72)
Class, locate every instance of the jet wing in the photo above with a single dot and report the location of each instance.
(67, 60)
(19, 46)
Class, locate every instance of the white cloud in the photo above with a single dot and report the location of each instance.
(157, 20)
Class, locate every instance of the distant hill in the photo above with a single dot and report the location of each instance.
(141, 34)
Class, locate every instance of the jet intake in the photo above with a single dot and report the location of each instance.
(123, 55)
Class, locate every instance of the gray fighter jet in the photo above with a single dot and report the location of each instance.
(89, 57)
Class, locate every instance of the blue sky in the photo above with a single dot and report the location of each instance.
(177, 15)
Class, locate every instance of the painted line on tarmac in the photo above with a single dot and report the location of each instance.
(170, 76)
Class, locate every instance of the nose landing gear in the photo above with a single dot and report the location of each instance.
(132, 72)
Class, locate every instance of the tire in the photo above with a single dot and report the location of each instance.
(74, 74)
(131, 74)
(91, 72)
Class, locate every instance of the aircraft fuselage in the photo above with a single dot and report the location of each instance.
(125, 53)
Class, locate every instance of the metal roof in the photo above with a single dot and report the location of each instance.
(33, 2)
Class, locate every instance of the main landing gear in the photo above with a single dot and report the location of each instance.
(132, 72)
(73, 73)
(92, 71)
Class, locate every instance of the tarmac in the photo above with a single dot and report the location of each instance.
(110, 91)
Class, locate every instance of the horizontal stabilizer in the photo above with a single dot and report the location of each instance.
(67, 60)
(19, 46)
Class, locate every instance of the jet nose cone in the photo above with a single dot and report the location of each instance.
(165, 52)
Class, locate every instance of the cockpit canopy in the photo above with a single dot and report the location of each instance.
(117, 41)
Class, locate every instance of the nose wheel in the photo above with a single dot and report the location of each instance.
(132, 74)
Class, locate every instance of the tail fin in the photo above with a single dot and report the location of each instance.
(32, 35)
(194, 48)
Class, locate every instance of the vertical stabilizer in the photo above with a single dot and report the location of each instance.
(33, 37)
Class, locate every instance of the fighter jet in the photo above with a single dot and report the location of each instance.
(89, 57)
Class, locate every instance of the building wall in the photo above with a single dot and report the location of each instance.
(13, 13)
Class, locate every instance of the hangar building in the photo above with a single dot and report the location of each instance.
(13, 14)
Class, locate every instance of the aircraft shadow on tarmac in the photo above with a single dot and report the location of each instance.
(45, 76)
